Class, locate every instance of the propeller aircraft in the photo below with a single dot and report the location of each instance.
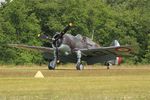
(69, 48)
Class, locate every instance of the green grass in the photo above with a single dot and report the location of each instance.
(119, 83)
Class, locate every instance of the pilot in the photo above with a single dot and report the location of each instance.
(79, 36)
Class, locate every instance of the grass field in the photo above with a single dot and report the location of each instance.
(66, 83)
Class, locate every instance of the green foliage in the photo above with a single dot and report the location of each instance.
(18, 26)
(125, 20)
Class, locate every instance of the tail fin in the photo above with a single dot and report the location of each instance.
(115, 43)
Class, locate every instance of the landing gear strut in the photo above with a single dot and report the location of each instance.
(52, 64)
(108, 64)
(79, 65)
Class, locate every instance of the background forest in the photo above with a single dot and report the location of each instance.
(21, 21)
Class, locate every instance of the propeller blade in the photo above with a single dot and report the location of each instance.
(42, 36)
(64, 31)
(66, 28)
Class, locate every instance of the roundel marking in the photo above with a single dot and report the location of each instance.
(122, 49)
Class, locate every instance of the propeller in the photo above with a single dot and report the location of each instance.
(60, 35)
(57, 40)
(45, 37)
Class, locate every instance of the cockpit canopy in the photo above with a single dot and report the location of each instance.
(87, 41)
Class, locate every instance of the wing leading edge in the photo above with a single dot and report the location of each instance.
(101, 51)
(35, 48)
(115, 50)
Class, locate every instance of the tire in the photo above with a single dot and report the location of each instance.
(52, 65)
(108, 65)
(79, 66)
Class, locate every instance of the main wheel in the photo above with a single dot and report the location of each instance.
(79, 66)
(52, 65)
(108, 65)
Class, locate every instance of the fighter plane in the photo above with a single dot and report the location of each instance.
(69, 48)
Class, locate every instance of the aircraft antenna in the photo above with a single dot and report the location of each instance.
(93, 34)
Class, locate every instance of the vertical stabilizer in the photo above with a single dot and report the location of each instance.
(115, 43)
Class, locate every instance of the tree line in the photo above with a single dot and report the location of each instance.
(22, 20)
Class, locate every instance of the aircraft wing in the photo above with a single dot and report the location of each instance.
(115, 50)
(35, 48)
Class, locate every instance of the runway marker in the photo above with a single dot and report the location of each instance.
(39, 75)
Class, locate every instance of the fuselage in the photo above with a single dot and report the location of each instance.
(78, 42)
(70, 43)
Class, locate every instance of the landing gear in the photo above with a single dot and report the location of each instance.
(108, 64)
(108, 67)
(79, 65)
(52, 64)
